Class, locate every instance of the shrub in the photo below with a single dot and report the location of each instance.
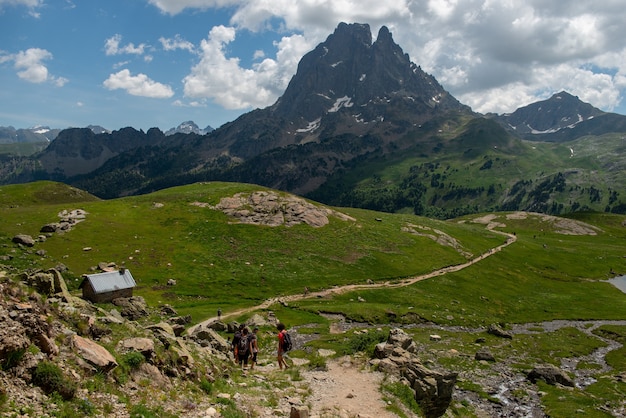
(365, 342)
(12, 359)
(133, 359)
(50, 378)
(206, 386)
(317, 362)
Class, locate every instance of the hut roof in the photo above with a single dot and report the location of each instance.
(110, 281)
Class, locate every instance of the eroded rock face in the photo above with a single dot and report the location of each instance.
(433, 389)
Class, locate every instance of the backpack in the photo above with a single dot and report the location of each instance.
(287, 344)
(243, 345)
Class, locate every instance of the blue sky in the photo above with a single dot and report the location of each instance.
(157, 63)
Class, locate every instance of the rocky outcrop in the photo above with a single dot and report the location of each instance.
(274, 209)
(207, 337)
(433, 389)
(133, 308)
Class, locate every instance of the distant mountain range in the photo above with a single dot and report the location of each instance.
(188, 127)
(361, 125)
(10, 135)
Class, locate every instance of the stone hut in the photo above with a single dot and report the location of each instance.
(104, 287)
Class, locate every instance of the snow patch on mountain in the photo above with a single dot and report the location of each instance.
(344, 101)
(311, 127)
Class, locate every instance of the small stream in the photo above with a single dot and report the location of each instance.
(619, 282)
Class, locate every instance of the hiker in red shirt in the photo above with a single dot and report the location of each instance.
(281, 346)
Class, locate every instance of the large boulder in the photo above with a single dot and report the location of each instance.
(163, 332)
(433, 390)
(550, 374)
(42, 281)
(144, 346)
(212, 338)
(133, 308)
(94, 354)
(24, 239)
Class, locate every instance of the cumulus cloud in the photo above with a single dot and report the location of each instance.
(174, 7)
(32, 5)
(30, 66)
(223, 80)
(112, 47)
(27, 3)
(172, 44)
(138, 85)
(493, 55)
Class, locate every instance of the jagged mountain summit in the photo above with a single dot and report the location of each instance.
(346, 86)
(189, 127)
(349, 71)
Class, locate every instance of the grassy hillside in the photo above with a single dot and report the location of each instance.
(475, 168)
(219, 263)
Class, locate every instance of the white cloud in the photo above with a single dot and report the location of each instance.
(174, 7)
(480, 50)
(112, 47)
(27, 3)
(223, 80)
(30, 67)
(139, 85)
(32, 5)
(172, 44)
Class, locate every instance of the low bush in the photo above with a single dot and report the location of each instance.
(49, 377)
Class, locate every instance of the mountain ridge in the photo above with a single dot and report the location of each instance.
(355, 106)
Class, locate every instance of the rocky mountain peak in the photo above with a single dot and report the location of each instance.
(560, 111)
(347, 70)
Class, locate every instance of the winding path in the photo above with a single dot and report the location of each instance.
(511, 238)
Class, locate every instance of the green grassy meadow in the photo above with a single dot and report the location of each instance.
(544, 275)
(218, 263)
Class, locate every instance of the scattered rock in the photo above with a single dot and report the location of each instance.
(484, 355)
(299, 412)
(550, 374)
(24, 239)
(499, 332)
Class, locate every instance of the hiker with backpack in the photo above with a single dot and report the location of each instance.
(254, 347)
(284, 345)
(235, 343)
(243, 348)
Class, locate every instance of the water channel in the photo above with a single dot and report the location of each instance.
(619, 282)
